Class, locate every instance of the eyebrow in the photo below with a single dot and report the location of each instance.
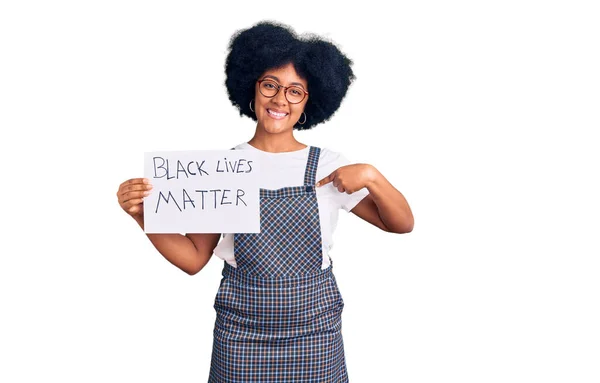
(276, 79)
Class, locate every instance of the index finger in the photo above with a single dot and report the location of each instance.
(325, 180)
(135, 181)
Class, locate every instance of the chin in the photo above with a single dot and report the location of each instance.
(276, 128)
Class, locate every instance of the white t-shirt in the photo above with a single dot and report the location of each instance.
(287, 169)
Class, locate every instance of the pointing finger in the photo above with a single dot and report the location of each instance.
(325, 180)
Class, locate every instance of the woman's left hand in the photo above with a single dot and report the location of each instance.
(350, 178)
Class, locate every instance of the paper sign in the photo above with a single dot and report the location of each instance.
(207, 191)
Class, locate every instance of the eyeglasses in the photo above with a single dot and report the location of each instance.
(269, 88)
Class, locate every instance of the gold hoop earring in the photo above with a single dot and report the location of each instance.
(251, 106)
(303, 122)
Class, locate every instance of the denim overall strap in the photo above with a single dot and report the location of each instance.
(310, 174)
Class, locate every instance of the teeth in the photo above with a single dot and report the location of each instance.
(276, 114)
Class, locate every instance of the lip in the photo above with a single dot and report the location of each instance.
(269, 110)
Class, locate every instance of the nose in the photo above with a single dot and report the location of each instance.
(279, 98)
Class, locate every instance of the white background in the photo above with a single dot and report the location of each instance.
(480, 113)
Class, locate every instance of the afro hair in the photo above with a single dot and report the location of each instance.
(269, 45)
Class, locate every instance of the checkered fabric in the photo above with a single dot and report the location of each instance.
(278, 313)
(289, 242)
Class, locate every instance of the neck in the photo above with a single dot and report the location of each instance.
(275, 143)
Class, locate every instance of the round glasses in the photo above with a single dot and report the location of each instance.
(269, 88)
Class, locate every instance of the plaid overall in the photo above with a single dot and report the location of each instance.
(278, 313)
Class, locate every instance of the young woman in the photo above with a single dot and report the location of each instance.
(278, 306)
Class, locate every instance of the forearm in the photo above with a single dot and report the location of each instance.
(177, 249)
(392, 207)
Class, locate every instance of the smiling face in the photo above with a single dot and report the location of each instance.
(276, 114)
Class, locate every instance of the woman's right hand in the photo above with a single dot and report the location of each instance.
(131, 195)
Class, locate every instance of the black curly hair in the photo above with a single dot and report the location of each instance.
(270, 45)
